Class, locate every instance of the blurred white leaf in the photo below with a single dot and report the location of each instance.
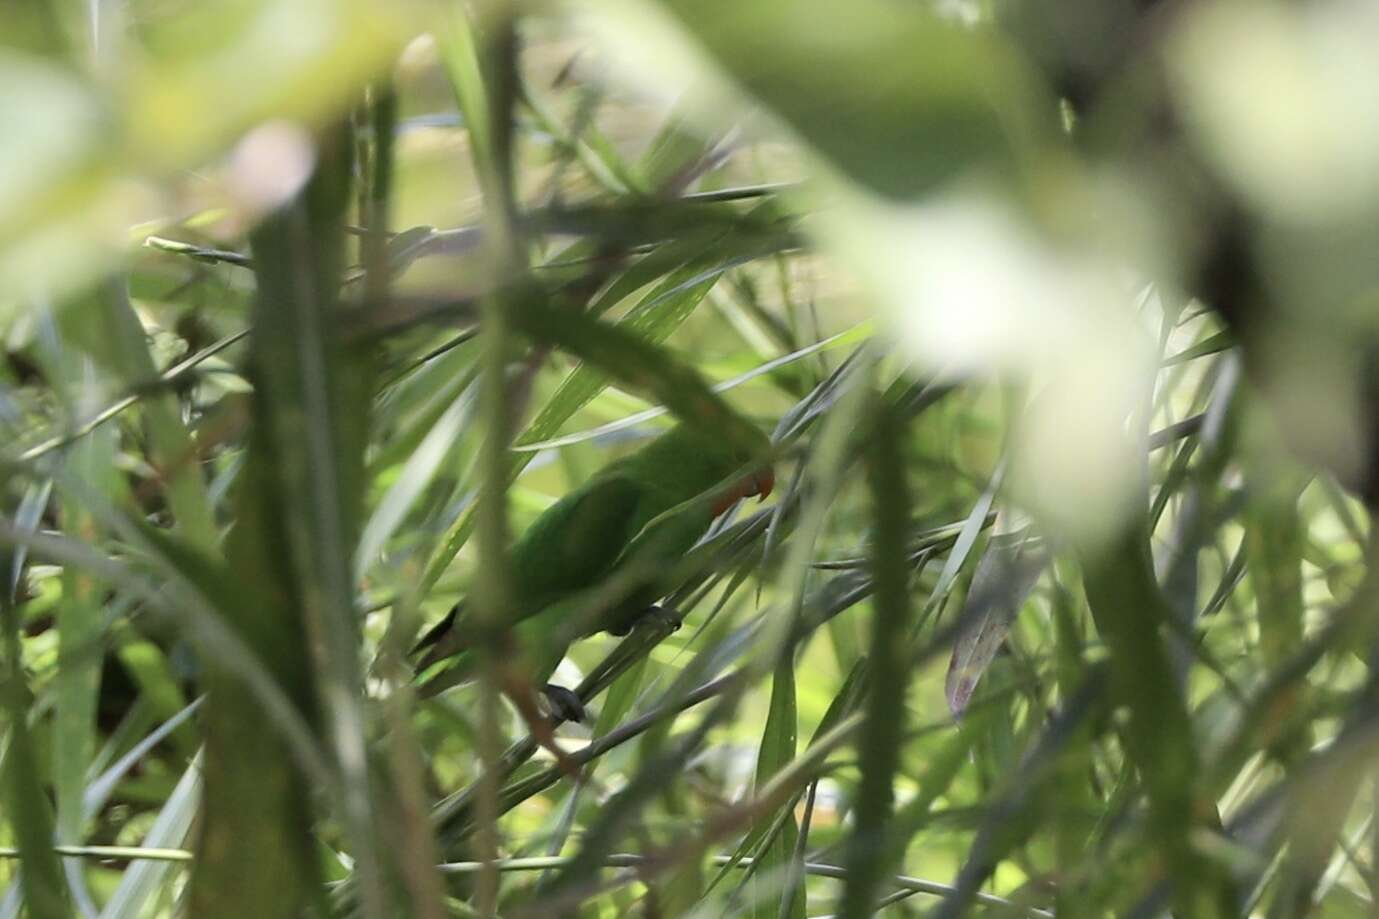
(967, 284)
(80, 163)
(650, 53)
(50, 120)
(1285, 100)
(945, 99)
(271, 164)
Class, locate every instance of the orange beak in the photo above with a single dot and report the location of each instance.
(763, 483)
(759, 484)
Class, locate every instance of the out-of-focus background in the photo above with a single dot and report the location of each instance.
(1062, 319)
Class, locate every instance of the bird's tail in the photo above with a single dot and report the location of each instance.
(442, 640)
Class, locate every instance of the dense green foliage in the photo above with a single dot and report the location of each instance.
(1060, 317)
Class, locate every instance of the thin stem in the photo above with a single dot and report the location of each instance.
(171, 375)
(545, 862)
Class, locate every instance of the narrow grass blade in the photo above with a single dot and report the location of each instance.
(98, 792)
(1004, 578)
(1007, 823)
(27, 808)
(611, 427)
(1129, 610)
(81, 643)
(417, 472)
(769, 895)
(144, 878)
(170, 446)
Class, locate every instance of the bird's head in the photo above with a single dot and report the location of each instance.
(756, 485)
(730, 458)
(749, 449)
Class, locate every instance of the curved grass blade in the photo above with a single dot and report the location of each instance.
(1004, 579)
(40, 885)
(1129, 609)
(98, 792)
(417, 472)
(772, 867)
(862, 330)
(169, 831)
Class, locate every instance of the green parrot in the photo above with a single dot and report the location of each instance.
(620, 518)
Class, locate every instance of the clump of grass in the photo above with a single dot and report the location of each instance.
(249, 457)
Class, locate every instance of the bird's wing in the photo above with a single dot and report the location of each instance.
(577, 541)
(651, 557)
(571, 546)
(667, 538)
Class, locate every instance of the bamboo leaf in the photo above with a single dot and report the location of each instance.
(1005, 576)
(417, 472)
(171, 450)
(652, 320)
(630, 421)
(100, 789)
(81, 645)
(938, 81)
(771, 891)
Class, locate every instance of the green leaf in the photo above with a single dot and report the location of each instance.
(116, 338)
(424, 462)
(941, 768)
(895, 96)
(1009, 821)
(1129, 609)
(1212, 344)
(657, 264)
(843, 704)
(1004, 578)
(102, 786)
(27, 807)
(632, 420)
(771, 870)
(662, 311)
(81, 642)
(158, 685)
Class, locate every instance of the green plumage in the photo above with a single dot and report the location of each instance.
(615, 524)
